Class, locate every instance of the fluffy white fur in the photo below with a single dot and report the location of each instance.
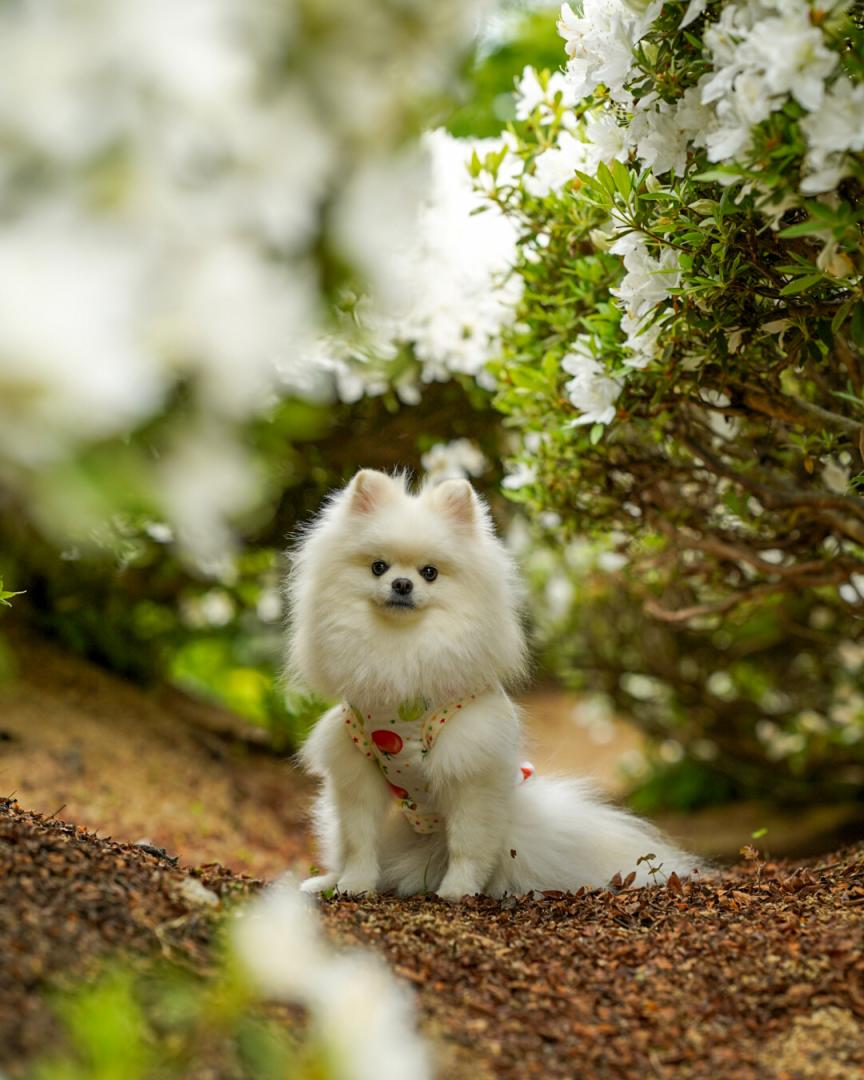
(464, 634)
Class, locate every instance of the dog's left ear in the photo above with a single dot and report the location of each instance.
(457, 500)
(368, 490)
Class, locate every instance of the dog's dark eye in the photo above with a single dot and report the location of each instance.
(379, 567)
(429, 572)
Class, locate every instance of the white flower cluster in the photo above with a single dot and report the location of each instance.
(459, 288)
(832, 129)
(456, 460)
(600, 43)
(591, 390)
(599, 138)
(359, 1016)
(763, 53)
(165, 173)
(645, 285)
(453, 263)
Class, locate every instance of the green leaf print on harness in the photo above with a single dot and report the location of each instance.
(399, 745)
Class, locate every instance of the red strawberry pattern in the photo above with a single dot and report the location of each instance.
(387, 741)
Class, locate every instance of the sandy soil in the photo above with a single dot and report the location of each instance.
(85, 746)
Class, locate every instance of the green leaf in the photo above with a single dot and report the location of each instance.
(800, 284)
(841, 315)
(606, 178)
(5, 595)
(803, 228)
(550, 365)
(596, 433)
(622, 178)
(723, 176)
(851, 398)
(527, 378)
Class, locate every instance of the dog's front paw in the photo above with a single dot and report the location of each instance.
(457, 884)
(318, 884)
(356, 884)
(452, 896)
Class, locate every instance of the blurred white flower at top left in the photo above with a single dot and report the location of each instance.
(170, 174)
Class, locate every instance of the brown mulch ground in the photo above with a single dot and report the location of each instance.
(757, 973)
(70, 899)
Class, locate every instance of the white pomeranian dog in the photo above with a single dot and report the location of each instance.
(406, 608)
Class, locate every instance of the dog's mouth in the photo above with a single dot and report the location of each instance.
(398, 603)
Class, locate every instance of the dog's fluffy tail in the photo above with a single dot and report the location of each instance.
(563, 836)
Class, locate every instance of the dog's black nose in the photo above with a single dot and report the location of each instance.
(402, 586)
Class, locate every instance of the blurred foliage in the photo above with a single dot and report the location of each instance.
(134, 604)
(127, 598)
(6, 595)
(170, 1024)
(490, 78)
(766, 701)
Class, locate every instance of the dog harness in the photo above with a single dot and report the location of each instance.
(399, 744)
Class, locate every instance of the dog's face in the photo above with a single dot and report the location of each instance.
(399, 555)
(415, 584)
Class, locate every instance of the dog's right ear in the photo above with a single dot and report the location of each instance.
(368, 490)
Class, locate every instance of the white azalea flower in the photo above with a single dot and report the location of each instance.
(530, 94)
(203, 479)
(363, 1019)
(834, 128)
(642, 340)
(835, 477)
(73, 363)
(694, 10)
(555, 167)
(454, 460)
(459, 291)
(600, 43)
(606, 139)
(523, 475)
(663, 133)
(648, 279)
(791, 53)
(591, 390)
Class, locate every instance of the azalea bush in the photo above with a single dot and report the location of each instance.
(685, 367)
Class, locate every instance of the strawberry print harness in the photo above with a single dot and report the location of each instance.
(399, 744)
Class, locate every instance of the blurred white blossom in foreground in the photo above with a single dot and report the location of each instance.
(359, 1015)
(170, 175)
